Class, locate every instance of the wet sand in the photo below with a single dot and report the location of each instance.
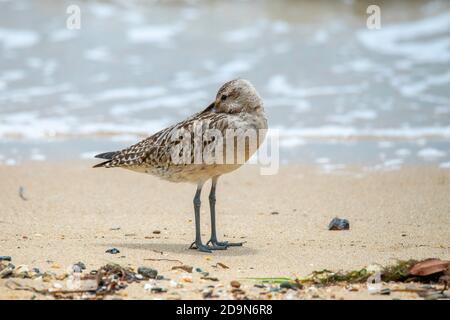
(73, 213)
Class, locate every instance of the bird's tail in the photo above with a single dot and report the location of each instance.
(106, 155)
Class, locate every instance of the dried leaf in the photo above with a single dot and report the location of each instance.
(429, 266)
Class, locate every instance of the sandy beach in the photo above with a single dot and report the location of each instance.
(70, 212)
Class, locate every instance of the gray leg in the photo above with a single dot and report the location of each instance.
(197, 244)
(215, 244)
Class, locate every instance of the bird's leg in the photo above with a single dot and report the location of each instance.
(215, 244)
(197, 244)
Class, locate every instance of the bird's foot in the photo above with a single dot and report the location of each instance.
(224, 244)
(200, 247)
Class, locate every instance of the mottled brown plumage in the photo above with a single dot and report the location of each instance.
(153, 155)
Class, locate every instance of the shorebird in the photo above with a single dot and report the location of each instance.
(238, 108)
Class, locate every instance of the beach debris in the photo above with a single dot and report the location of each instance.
(294, 285)
(163, 259)
(156, 232)
(6, 270)
(339, 224)
(208, 293)
(186, 278)
(198, 270)
(429, 266)
(114, 228)
(175, 284)
(184, 268)
(78, 267)
(22, 193)
(5, 258)
(158, 290)
(274, 213)
(113, 251)
(147, 273)
(222, 265)
(21, 271)
(235, 284)
(209, 278)
(385, 291)
(107, 281)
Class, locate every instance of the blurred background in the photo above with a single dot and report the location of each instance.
(339, 93)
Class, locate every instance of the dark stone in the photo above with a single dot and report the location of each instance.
(5, 258)
(113, 251)
(158, 290)
(148, 273)
(339, 224)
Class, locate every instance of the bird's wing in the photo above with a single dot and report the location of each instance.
(156, 149)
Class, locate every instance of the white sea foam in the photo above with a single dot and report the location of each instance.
(100, 54)
(403, 152)
(278, 85)
(393, 162)
(38, 157)
(431, 153)
(102, 10)
(158, 34)
(417, 87)
(12, 75)
(424, 40)
(28, 93)
(257, 30)
(444, 165)
(16, 39)
(243, 34)
(129, 93)
(172, 101)
(385, 144)
(341, 132)
(62, 34)
(350, 117)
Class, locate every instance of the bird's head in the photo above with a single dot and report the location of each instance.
(238, 96)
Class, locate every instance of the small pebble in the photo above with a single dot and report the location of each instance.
(235, 284)
(156, 232)
(158, 290)
(5, 258)
(385, 291)
(274, 212)
(112, 251)
(339, 224)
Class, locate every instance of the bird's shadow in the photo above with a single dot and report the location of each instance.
(182, 248)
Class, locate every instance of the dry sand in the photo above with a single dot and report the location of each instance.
(71, 209)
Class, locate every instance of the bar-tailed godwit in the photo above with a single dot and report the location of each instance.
(237, 108)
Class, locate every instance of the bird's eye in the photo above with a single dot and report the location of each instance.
(223, 97)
